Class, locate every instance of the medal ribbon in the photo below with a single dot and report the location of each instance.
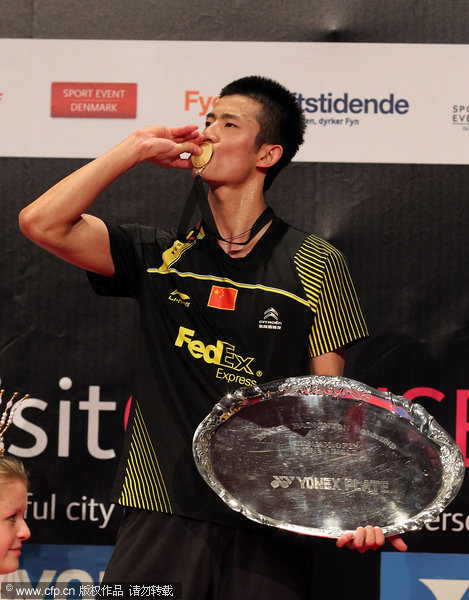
(197, 195)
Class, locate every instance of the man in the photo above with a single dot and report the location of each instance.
(202, 301)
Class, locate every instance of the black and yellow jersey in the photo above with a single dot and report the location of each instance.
(209, 324)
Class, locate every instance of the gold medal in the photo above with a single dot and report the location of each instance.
(204, 158)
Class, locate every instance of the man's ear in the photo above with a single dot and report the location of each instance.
(269, 154)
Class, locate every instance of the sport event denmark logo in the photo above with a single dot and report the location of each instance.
(94, 100)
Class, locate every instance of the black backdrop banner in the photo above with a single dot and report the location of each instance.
(403, 228)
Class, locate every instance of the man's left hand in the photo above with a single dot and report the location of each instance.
(369, 538)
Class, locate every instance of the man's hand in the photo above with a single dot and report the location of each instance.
(59, 221)
(164, 145)
(369, 538)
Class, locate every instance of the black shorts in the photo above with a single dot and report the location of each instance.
(213, 562)
(216, 562)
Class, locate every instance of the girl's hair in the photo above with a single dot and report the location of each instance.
(11, 469)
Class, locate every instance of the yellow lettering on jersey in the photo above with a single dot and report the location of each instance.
(222, 353)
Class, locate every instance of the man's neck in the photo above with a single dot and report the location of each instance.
(238, 251)
(235, 212)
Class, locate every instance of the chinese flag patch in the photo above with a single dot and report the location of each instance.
(222, 297)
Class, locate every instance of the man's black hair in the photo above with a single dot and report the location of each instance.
(281, 119)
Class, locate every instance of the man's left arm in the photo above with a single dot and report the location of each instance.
(331, 363)
(363, 538)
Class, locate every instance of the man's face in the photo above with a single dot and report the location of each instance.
(232, 128)
(13, 528)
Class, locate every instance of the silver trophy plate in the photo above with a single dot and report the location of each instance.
(324, 455)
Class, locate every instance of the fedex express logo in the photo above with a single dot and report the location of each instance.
(223, 354)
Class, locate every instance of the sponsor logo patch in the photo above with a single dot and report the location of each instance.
(94, 100)
(179, 298)
(270, 320)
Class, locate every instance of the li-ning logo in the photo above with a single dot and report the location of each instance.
(180, 298)
(270, 320)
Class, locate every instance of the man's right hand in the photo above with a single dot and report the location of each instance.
(164, 145)
(58, 220)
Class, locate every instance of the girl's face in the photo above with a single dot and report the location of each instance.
(13, 528)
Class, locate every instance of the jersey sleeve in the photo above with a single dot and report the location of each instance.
(338, 319)
(125, 241)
